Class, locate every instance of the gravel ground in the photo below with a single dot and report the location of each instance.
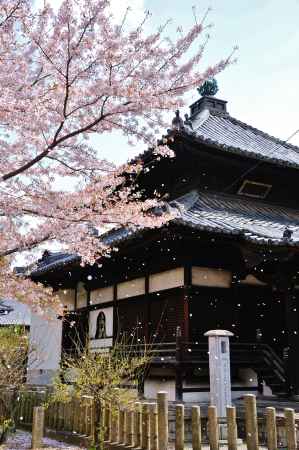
(22, 440)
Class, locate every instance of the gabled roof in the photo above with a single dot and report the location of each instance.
(51, 261)
(254, 221)
(220, 130)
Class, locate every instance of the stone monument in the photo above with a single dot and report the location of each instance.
(219, 368)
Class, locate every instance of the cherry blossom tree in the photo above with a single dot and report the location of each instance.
(64, 76)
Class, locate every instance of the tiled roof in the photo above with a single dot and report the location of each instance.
(52, 260)
(231, 135)
(254, 221)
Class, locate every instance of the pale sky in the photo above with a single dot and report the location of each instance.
(262, 88)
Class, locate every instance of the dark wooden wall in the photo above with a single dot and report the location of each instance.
(154, 317)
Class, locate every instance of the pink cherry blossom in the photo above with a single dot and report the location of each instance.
(65, 76)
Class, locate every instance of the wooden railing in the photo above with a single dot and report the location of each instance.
(158, 425)
(147, 426)
(75, 417)
(258, 356)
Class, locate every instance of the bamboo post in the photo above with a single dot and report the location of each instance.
(121, 426)
(114, 424)
(289, 415)
(129, 426)
(55, 415)
(137, 424)
(162, 402)
(89, 417)
(106, 422)
(21, 409)
(60, 416)
(153, 427)
(92, 418)
(232, 432)
(271, 429)
(66, 417)
(73, 414)
(251, 426)
(213, 428)
(27, 408)
(179, 427)
(38, 423)
(196, 428)
(145, 434)
(49, 416)
(126, 427)
(102, 417)
(84, 415)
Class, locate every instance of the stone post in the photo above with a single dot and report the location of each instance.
(38, 424)
(162, 402)
(219, 368)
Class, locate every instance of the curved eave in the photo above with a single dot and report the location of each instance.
(237, 150)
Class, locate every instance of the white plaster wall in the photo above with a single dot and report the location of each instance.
(102, 295)
(131, 288)
(81, 296)
(204, 276)
(45, 349)
(67, 297)
(198, 397)
(204, 397)
(241, 393)
(166, 280)
(152, 387)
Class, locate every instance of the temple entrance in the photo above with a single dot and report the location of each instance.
(209, 309)
(253, 314)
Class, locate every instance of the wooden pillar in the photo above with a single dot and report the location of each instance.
(292, 360)
(290, 426)
(38, 424)
(179, 427)
(147, 319)
(115, 315)
(232, 431)
(196, 428)
(213, 428)
(137, 424)
(145, 427)
(153, 426)
(121, 426)
(178, 367)
(162, 403)
(251, 425)
(271, 428)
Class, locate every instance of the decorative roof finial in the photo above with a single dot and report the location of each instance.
(287, 234)
(209, 88)
(177, 121)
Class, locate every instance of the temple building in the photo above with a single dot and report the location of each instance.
(227, 260)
